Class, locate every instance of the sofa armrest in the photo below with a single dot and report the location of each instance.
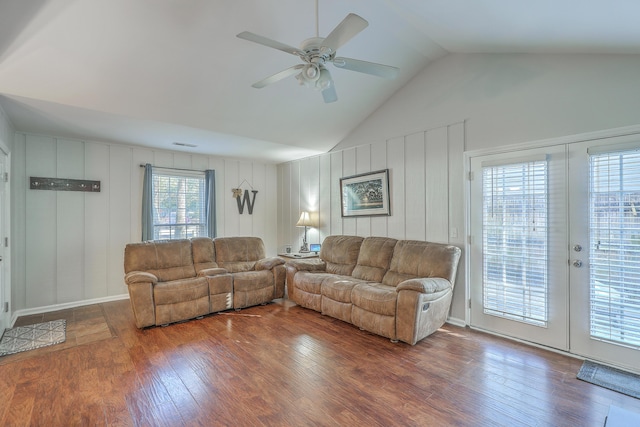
(425, 285)
(313, 264)
(215, 271)
(140, 277)
(268, 263)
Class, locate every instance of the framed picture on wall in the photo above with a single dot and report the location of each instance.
(365, 194)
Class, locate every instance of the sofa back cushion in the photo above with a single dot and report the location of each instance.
(166, 259)
(340, 253)
(238, 253)
(204, 253)
(374, 258)
(412, 259)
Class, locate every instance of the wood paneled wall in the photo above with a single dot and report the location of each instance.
(6, 132)
(68, 246)
(426, 180)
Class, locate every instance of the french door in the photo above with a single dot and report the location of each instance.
(605, 250)
(555, 247)
(518, 267)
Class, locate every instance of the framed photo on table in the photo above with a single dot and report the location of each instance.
(365, 194)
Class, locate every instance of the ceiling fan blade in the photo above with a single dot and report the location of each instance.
(278, 76)
(329, 94)
(345, 31)
(246, 35)
(380, 70)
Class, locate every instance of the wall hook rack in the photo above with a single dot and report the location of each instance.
(63, 184)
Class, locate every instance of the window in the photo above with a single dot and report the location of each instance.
(514, 241)
(615, 247)
(178, 204)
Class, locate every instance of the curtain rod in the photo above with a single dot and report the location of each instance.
(174, 169)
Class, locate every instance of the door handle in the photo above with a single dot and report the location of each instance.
(577, 263)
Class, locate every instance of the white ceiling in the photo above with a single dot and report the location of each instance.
(155, 72)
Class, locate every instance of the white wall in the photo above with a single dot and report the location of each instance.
(511, 98)
(426, 191)
(68, 246)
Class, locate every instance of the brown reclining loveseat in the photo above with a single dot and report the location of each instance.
(174, 280)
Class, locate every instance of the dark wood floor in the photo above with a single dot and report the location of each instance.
(282, 365)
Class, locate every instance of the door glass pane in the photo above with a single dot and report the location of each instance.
(615, 247)
(515, 240)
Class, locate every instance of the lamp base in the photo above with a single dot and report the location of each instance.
(304, 248)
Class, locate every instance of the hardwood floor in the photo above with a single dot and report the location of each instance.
(282, 365)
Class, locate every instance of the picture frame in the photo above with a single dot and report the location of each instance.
(365, 194)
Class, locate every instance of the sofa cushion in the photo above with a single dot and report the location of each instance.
(177, 291)
(251, 280)
(412, 258)
(309, 282)
(340, 253)
(338, 288)
(238, 253)
(167, 260)
(374, 258)
(204, 253)
(375, 298)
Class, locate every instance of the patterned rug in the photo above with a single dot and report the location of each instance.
(23, 338)
(611, 378)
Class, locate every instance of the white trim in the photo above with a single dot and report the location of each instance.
(56, 307)
(456, 322)
(560, 140)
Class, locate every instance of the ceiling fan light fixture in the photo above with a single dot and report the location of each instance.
(311, 72)
(324, 80)
(309, 75)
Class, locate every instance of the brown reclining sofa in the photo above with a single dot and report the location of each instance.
(400, 289)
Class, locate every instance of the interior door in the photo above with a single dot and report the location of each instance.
(518, 245)
(605, 250)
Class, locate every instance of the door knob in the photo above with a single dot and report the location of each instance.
(577, 263)
(577, 248)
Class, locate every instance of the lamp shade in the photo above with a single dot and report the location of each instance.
(305, 220)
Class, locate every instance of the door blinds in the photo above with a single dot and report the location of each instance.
(614, 257)
(515, 228)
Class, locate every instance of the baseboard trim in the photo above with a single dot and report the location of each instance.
(64, 306)
(456, 322)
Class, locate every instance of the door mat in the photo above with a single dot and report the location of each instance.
(30, 337)
(611, 378)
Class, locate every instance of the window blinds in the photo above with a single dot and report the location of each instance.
(179, 205)
(515, 227)
(614, 257)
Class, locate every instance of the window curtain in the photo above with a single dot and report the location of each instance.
(147, 203)
(210, 201)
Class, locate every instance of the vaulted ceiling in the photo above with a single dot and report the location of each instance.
(157, 72)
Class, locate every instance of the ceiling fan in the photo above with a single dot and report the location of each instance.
(316, 52)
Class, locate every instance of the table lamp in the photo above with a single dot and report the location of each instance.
(304, 221)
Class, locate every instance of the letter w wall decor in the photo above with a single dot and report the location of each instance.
(246, 199)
